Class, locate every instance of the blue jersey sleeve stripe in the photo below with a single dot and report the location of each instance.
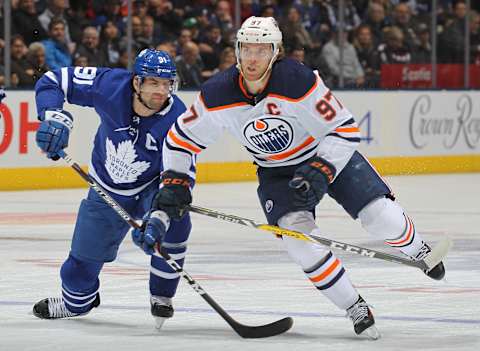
(182, 133)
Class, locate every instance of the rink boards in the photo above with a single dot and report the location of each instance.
(403, 132)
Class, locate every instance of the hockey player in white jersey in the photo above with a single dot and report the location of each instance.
(136, 110)
(304, 142)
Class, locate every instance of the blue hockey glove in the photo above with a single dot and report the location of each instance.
(152, 232)
(54, 131)
(311, 181)
(174, 195)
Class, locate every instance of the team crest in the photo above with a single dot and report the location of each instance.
(120, 162)
(269, 135)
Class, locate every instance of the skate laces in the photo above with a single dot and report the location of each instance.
(57, 308)
(358, 312)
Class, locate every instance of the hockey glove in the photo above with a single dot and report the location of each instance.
(311, 181)
(54, 131)
(174, 195)
(152, 232)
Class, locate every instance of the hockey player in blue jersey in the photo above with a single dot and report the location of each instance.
(304, 141)
(136, 111)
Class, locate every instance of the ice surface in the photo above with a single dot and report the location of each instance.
(249, 274)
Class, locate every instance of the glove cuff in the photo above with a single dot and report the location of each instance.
(60, 116)
(324, 167)
(162, 217)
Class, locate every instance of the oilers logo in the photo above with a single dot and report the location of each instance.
(269, 135)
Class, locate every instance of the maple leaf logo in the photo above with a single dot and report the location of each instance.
(120, 162)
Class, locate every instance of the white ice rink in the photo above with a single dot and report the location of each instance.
(248, 273)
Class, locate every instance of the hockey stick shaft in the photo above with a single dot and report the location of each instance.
(438, 252)
(244, 331)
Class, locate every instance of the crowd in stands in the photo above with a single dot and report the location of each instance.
(49, 34)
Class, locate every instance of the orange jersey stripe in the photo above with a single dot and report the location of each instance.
(410, 231)
(348, 130)
(182, 143)
(284, 155)
(327, 272)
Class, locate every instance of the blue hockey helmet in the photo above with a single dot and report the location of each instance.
(155, 63)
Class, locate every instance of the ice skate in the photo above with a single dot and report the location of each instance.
(437, 272)
(161, 308)
(362, 318)
(54, 308)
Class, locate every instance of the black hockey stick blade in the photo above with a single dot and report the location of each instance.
(263, 331)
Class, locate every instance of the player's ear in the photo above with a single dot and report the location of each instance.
(136, 84)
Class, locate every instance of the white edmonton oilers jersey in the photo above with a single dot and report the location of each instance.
(293, 119)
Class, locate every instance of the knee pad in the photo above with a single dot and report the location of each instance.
(383, 218)
(304, 253)
(80, 276)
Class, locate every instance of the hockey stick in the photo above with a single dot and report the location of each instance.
(245, 331)
(430, 261)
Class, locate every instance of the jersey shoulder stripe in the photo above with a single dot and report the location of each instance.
(291, 80)
(221, 91)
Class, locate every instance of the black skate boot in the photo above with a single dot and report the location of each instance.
(161, 308)
(437, 272)
(362, 318)
(54, 307)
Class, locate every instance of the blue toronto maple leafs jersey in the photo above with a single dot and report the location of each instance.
(127, 153)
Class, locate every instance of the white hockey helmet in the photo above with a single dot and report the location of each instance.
(261, 30)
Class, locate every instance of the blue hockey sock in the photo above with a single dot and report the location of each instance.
(163, 279)
(80, 284)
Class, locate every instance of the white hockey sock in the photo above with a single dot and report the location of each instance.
(319, 264)
(329, 276)
(385, 219)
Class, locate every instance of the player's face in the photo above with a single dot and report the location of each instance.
(254, 59)
(154, 91)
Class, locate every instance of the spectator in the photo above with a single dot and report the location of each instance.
(36, 58)
(222, 17)
(148, 38)
(475, 37)
(184, 37)
(109, 39)
(167, 21)
(452, 40)
(25, 22)
(110, 12)
(56, 50)
(190, 67)
(227, 59)
(140, 8)
(77, 19)
(137, 32)
(394, 50)
(56, 8)
(211, 46)
(367, 55)
(377, 21)
(20, 65)
(423, 51)
(402, 18)
(352, 70)
(89, 48)
(322, 17)
(294, 33)
(169, 47)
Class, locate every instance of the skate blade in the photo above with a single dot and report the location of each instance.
(159, 321)
(438, 253)
(372, 333)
